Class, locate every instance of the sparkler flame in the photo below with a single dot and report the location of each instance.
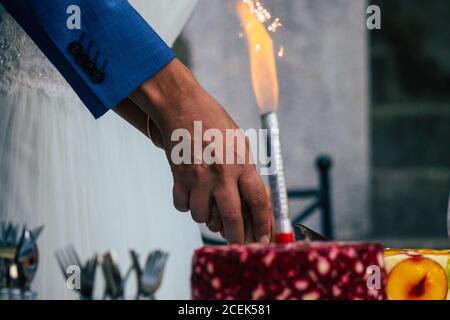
(262, 55)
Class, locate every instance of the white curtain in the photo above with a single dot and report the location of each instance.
(167, 17)
(96, 184)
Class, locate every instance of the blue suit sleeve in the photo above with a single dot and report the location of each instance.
(113, 53)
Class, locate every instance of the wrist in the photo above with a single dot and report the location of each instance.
(167, 91)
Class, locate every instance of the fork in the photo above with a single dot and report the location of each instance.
(3, 279)
(113, 279)
(135, 265)
(153, 273)
(68, 257)
(9, 234)
(27, 257)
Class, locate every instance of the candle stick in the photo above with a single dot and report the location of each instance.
(277, 180)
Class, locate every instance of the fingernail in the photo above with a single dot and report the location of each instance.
(264, 240)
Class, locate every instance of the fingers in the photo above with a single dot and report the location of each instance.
(229, 205)
(257, 200)
(180, 198)
(249, 236)
(200, 205)
(272, 218)
(215, 222)
(248, 228)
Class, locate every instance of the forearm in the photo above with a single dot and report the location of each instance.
(165, 95)
(134, 115)
(140, 120)
(158, 98)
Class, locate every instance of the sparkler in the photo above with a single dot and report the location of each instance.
(253, 17)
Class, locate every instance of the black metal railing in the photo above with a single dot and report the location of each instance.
(321, 201)
(320, 196)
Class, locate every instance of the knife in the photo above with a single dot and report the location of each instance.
(311, 235)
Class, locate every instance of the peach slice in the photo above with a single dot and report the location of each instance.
(432, 252)
(417, 278)
(447, 270)
(392, 252)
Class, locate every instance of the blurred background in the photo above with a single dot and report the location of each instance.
(376, 101)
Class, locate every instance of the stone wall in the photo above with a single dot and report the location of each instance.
(411, 119)
(323, 86)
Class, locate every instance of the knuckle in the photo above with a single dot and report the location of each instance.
(196, 171)
(258, 200)
(232, 216)
(249, 174)
(179, 170)
(200, 174)
(219, 169)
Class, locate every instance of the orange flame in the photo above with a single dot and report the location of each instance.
(262, 60)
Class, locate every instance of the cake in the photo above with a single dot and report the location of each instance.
(298, 271)
(418, 274)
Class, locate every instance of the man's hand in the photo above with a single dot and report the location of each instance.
(216, 194)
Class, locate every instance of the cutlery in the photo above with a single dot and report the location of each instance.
(114, 284)
(15, 285)
(149, 278)
(153, 273)
(137, 268)
(36, 232)
(88, 278)
(310, 235)
(68, 257)
(4, 292)
(19, 259)
(9, 234)
(27, 258)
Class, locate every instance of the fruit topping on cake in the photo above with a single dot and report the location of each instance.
(418, 274)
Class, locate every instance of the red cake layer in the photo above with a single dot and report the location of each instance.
(304, 271)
